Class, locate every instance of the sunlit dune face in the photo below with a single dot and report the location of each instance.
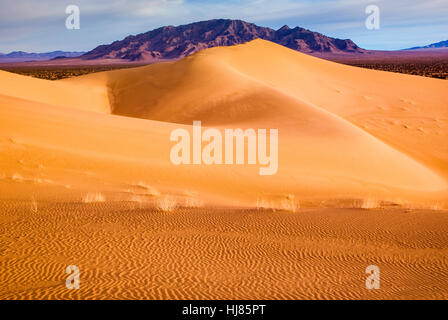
(342, 131)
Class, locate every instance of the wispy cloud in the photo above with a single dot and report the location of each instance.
(40, 25)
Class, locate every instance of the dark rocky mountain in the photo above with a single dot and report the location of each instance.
(177, 42)
(441, 44)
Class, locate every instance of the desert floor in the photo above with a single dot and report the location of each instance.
(127, 252)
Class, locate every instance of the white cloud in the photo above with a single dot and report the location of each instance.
(24, 23)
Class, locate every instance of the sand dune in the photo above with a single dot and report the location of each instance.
(92, 98)
(222, 86)
(344, 132)
(348, 138)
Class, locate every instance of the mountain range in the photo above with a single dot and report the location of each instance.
(441, 44)
(18, 56)
(172, 42)
(176, 42)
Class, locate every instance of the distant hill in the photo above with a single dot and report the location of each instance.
(19, 56)
(177, 42)
(441, 44)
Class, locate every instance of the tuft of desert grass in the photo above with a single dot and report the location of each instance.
(93, 197)
(138, 201)
(17, 177)
(367, 203)
(33, 205)
(436, 207)
(289, 203)
(193, 203)
(167, 203)
(265, 204)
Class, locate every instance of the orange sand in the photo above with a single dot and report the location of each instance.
(124, 252)
(348, 138)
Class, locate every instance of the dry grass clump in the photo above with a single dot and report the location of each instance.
(167, 203)
(93, 197)
(366, 203)
(289, 203)
(17, 177)
(33, 205)
(436, 207)
(193, 203)
(265, 204)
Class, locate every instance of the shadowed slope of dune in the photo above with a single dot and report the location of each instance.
(92, 98)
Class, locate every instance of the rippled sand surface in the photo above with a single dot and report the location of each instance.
(125, 252)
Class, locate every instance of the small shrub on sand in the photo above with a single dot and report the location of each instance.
(290, 204)
(141, 201)
(193, 203)
(369, 203)
(17, 177)
(33, 205)
(167, 203)
(265, 204)
(436, 207)
(93, 197)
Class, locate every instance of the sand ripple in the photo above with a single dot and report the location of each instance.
(220, 253)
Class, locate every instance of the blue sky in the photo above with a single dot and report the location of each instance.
(39, 25)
